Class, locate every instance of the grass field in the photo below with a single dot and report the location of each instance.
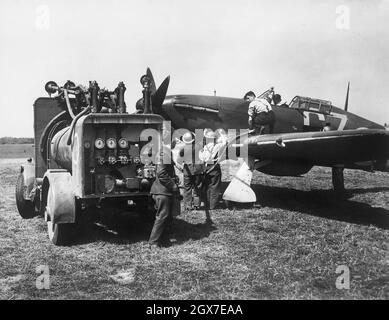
(287, 247)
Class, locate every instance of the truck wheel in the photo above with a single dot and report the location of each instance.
(25, 207)
(60, 234)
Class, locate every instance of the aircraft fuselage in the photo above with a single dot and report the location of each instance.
(196, 111)
(199, 112)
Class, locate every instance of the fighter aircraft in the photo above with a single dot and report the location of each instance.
(308, 132)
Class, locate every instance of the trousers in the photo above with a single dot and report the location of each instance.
(191, 190)
(263, 120)
(163, 219)
(211, 187)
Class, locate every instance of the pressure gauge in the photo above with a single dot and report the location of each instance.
(111, 143)
(99, 143)
(123, 143)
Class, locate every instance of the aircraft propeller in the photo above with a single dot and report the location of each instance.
(346, 102)
(157, 95)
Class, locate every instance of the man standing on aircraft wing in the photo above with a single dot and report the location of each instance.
(260, 112)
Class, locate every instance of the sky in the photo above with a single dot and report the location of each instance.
(301, 47)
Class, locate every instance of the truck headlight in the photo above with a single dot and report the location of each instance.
(123, 143)
(99, 143)
(111, 143)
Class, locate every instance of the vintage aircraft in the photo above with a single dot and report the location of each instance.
(297, 143)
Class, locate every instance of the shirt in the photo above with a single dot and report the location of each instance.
(210, 151)
(257, 106)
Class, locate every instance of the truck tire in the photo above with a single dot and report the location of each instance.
(61, 234)
(25, 207)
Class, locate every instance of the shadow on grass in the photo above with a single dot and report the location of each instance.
(324, 203)
(125, 228)
(367, 190)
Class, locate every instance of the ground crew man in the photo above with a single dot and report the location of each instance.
(166, 194)
(192, 176)
(260, 113)
(212, 174)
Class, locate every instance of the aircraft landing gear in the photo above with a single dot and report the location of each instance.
(338, 180)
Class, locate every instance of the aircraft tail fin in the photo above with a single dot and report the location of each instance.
(157, 95)
(346, 102)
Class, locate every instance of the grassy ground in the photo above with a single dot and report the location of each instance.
(287, 247)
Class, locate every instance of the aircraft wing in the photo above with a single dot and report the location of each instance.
(349, 148)
(321, 148)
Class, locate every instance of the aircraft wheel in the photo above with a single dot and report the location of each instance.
(338, 180)
(248, 205)
(230, 205)
(25, 207)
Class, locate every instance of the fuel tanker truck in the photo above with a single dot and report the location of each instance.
(88, 154)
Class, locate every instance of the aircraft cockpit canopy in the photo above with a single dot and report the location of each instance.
(310, 104)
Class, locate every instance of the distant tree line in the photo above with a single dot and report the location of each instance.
(12, 140)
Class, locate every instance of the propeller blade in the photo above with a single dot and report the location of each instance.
(159, 96)
(153, 88)
(346, 102)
